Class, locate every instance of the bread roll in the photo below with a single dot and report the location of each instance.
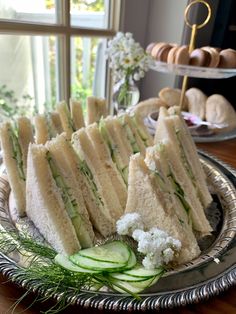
(146, 107)
(219, 110)
(171, 96)
(196, 102)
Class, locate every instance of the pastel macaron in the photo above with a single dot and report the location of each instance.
(214, 56)
(178, 55)
(156, 50)
(163, 51)
(200, 57)
(150, 47)
(228, 58)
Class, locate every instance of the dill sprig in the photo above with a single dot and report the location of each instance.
(45, 275)
(55, 279)
(13, 240)
(42, 272)
(49, 279)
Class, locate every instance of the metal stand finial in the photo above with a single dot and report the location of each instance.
(194, 28)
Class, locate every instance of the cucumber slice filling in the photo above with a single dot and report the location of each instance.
(17, 153)
(71, 205)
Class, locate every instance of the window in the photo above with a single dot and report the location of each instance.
(52, 50)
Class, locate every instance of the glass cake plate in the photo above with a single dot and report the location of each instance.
(211, 273)
(193, 71)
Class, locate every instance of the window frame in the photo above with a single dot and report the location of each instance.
(65, 31)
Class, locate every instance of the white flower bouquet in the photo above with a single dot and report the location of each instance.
(128, 61)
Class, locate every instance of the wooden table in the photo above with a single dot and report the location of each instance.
(223, 304)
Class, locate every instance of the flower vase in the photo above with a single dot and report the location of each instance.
(126, 94)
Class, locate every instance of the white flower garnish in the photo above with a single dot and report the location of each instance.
(128, 223)
(157, 245)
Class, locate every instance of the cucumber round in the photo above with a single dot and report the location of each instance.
(92, 264)
(127, 278)
(115, 252)
(64, 262)
(140, 271)
(132, 261)
(126, 285)
(134, 287)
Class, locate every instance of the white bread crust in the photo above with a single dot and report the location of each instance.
(58, 148)
(25, 136)
(118, 138)
(109, 166)
(41, 129)
(193, 159)
(197, 214)
(98, 214)
(96, 108)
(44, 205)
(64, 113)
(128, 121)
(56, 121)
(17, 184)
(77, 114)
(144, 198)
(83, 146)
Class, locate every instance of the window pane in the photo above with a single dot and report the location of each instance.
(89, 13)
(27, 76)
(42, 11)
(88, 67)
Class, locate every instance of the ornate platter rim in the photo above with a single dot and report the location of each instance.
(197, 292)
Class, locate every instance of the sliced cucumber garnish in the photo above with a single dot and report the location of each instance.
(110, 257)
(134, 287)
(117, 262)
(142, 272)
(89, 263)
(64, 262)
(121, 286)
(138, 273)
(115, 252)
(132, 261)
(127, 278)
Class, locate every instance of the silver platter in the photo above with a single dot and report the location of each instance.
(213, 272)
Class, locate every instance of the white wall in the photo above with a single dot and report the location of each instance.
(154, 21)
(166, 21)
(135, 18)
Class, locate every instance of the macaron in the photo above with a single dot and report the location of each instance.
(163, 51)
(150, 47)
(171, 54)
(178, 55)
(156, 48)
(227, 58)
(215, 56)
(200, 57)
